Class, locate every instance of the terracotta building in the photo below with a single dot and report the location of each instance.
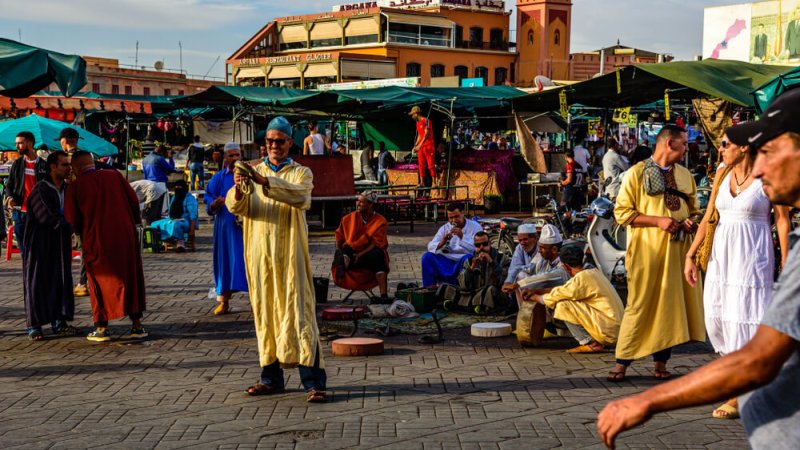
(543, 36)
(587, 64)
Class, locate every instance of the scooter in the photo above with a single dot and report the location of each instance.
(607, 242)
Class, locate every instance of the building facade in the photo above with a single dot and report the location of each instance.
(586, 65)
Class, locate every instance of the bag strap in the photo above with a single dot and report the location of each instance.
(671, 191)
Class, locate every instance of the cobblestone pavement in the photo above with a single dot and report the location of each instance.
(184, 387)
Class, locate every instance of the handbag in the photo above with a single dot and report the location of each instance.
(703, 254)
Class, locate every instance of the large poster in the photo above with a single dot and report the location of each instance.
(764, 32)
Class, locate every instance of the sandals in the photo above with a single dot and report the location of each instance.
(263, 389)
(616, 376)
(586, 348)
(726, 411)
(662, 374)
(315, 396)
(35, 335)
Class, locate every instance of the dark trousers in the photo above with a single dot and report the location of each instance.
(660, 356)
(374, 260)
(312, 377)
(133, 317)
(19, 218)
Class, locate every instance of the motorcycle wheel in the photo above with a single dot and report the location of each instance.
(504, 243)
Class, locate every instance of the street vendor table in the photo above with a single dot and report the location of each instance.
(484, 171)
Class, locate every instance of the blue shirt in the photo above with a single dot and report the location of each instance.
(280, 166)
(156, 168)
(520, 261)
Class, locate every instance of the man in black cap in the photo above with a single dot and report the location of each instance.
(69, 139)
(768, 367)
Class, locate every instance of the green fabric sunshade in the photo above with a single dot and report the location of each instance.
(644, 83)
(45, 132)
(25, 70)
(253, 95)
(765, 94)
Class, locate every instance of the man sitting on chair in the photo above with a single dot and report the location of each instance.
(453, 243)
(362, 257)
(588, 304)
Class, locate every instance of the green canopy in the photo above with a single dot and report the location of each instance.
(247, 95)
(24, 70)
(765, 94)
(45, 132)
(644, 83)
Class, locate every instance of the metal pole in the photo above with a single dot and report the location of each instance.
(127, 145)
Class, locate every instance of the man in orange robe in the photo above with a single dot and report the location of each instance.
(104, 210)
(362, 257)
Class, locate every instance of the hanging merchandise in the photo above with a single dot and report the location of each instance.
(619, 81)
(594, 130)
(562, 98)
(666, 105)
(633, 120)
(622, 115)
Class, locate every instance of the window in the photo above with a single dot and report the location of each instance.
(128, 90)
(500, 76)
(476, 37)
(557, 37)
(512, 72)
(435, 36)
(413, 70)
(365, 39)
(96, 87)
(262, 48)
(292, 37)
(326, 34)
(167, 92)
(461, 72)
(146, 91)
(459, 36)
(403, 33)
(180, 92)
(363, 30)
(115, 89)
(482, 72)
(496, 39)
(530, 37)
(437, 70)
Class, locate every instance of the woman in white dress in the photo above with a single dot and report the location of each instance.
(738, 282)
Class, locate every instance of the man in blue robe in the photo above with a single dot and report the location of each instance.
(229, 271)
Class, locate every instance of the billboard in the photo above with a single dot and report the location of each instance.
(764, 32)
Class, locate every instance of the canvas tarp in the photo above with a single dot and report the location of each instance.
(645, 83)
(221, 132)
(529, 148)
(715, 117)
(25, 69)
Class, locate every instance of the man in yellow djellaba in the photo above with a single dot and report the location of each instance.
(272, 200)
(657, 203)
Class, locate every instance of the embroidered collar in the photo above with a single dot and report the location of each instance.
(280, 166)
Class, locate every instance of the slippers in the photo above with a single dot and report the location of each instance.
(615, 377)
(586, 348)
(222, 308)
(726, 411)
(263, 389)
(315, 396)
(662, 374)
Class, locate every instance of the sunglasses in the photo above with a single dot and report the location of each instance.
(278, 142)
(723, 144)
(482, 244)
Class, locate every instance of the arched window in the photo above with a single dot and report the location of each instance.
(496, 38)
(437, 70)
(482, 72)
(461, 72)
(557, 37)
(530, 37)
(413, 70)
(476, 37)
(500, 76)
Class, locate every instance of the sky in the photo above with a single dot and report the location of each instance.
(211, 29)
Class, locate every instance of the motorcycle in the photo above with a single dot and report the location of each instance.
(607, 243)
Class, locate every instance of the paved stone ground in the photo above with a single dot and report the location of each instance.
(184, 386)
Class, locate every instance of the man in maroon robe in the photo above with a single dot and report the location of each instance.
(104, 211)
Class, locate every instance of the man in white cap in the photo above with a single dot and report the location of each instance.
(550, 242)
(229, 269)
(526, 256)
(272, 200)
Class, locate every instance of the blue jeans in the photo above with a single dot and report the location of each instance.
(311, 377)
(383, 177)
(19, 218)
(196, 170)
(437, 269)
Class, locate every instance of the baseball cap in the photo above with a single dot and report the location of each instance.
(782, 116)
(415, 110)
(68, 133)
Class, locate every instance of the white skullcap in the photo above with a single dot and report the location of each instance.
(527, 228)
(232, 146)
(550, 235)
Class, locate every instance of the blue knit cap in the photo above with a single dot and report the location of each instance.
(280, 124)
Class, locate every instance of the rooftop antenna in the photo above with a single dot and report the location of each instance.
(19, 33)
(212, 66)
(180, 55)
(136, 59)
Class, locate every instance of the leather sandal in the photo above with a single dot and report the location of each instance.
(263, 389)
(315, 396)
(616, 376)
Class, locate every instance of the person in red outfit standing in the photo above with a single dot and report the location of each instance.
(424, 147)
(104, 210)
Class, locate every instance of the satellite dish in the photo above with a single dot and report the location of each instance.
(159, 65)
(542, 82)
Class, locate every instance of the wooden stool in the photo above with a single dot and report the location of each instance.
(357, 347)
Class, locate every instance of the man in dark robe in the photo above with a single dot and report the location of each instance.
(47, 254)
(104, 211)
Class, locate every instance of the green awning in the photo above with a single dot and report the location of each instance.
(252, 95)
(765, 94)
(644, 83)
(25, 70)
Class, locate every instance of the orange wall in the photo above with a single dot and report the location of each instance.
(451, 58)
(487, 21)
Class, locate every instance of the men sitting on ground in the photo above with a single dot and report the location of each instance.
(588, 304)
(182, 219)
(549, 247)
(524, 260)
(362, 249)
(447, 251)
(481, 275)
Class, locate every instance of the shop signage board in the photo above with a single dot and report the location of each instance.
(370, 84)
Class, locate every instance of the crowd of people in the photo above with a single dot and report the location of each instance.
(261, 247)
